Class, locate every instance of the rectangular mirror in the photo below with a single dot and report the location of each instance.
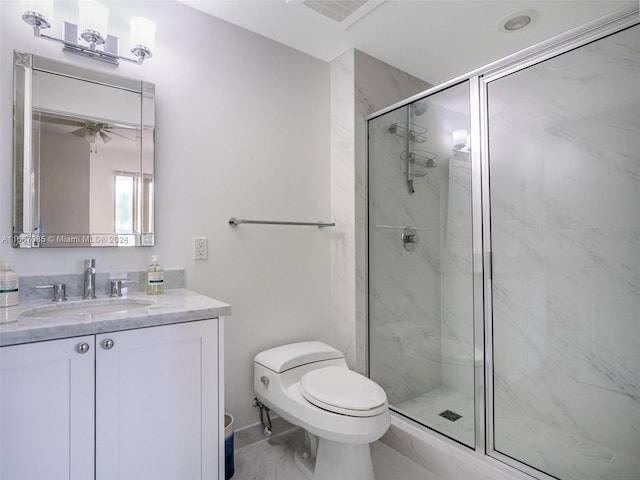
(83, 157)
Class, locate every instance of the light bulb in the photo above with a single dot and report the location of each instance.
(142, 35)
(37, 13)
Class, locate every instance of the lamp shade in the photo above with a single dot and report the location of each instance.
(142, 32)
(459, 139)
(93, 16)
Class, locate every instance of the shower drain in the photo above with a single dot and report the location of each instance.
(449, 415)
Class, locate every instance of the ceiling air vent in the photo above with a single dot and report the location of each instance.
(339, 13)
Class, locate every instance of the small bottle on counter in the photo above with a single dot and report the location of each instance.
(155, 277)
(8, 286)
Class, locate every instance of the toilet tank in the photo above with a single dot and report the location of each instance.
(286, 357)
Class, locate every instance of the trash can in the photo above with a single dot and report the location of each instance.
(229, 469)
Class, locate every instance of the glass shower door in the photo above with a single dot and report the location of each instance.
(564, 159)
(421, 348)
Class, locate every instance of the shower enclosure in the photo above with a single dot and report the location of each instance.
(504, 256)
(420, 275)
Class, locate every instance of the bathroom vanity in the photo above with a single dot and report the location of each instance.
(104, 392)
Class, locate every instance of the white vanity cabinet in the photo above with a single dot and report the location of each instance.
(150, 397)
(47, 410)
(157, 403)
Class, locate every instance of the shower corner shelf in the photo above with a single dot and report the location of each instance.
(412, 131)
(422, 158)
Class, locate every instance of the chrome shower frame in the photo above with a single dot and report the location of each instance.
(479, 80)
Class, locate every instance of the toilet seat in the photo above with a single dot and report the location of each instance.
(343, 391)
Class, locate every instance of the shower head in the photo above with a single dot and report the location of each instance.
(419, 108)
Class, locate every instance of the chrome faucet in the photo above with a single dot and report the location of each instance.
(89, 278)
(59, 291)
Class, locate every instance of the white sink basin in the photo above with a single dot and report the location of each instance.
(87, 308)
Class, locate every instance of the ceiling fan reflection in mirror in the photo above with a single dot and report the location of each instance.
(92, 130)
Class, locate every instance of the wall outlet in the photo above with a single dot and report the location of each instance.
(200, 248)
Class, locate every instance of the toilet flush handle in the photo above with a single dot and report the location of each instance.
(265, 380)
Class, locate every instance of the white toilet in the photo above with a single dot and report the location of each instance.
(309, 385)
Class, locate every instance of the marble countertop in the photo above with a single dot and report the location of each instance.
(174, 306)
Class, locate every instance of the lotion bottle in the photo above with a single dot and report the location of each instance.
(155, 277)
(8, 286)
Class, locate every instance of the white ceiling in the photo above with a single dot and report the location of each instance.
(435, 40)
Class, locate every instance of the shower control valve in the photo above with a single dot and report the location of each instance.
(410, 239)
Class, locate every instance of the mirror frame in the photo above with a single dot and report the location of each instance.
(26, 207)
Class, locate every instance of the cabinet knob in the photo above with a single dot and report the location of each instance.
(82, 347)
(107, 344)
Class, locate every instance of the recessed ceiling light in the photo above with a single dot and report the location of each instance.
(517, 21)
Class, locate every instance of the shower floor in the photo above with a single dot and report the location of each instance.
(567, 454)
(426, 409)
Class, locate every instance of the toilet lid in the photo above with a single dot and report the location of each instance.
(341, 390)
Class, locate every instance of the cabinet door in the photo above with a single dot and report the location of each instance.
(157, 403)
(47, 410)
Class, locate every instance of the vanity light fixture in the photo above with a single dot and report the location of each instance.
(90, 37)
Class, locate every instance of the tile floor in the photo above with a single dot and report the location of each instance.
(272, 459)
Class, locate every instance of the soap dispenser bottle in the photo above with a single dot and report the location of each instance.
(8, 286)
(155, 277)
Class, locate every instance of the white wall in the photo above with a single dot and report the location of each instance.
(63, 164)
(242, 130)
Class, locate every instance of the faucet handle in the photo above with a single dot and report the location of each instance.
(115, 289)
(90, 263)
(59, 291)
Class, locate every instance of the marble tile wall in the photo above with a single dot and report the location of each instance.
(342, 112)
(447, 111)
(404, 285)
(422, 301)
(565, 192)
(377, 85)
(360, 85)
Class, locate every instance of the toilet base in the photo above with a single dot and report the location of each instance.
(343, 461)
(304, 462)
(336, 461)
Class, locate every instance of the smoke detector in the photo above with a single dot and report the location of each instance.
(341, 14)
